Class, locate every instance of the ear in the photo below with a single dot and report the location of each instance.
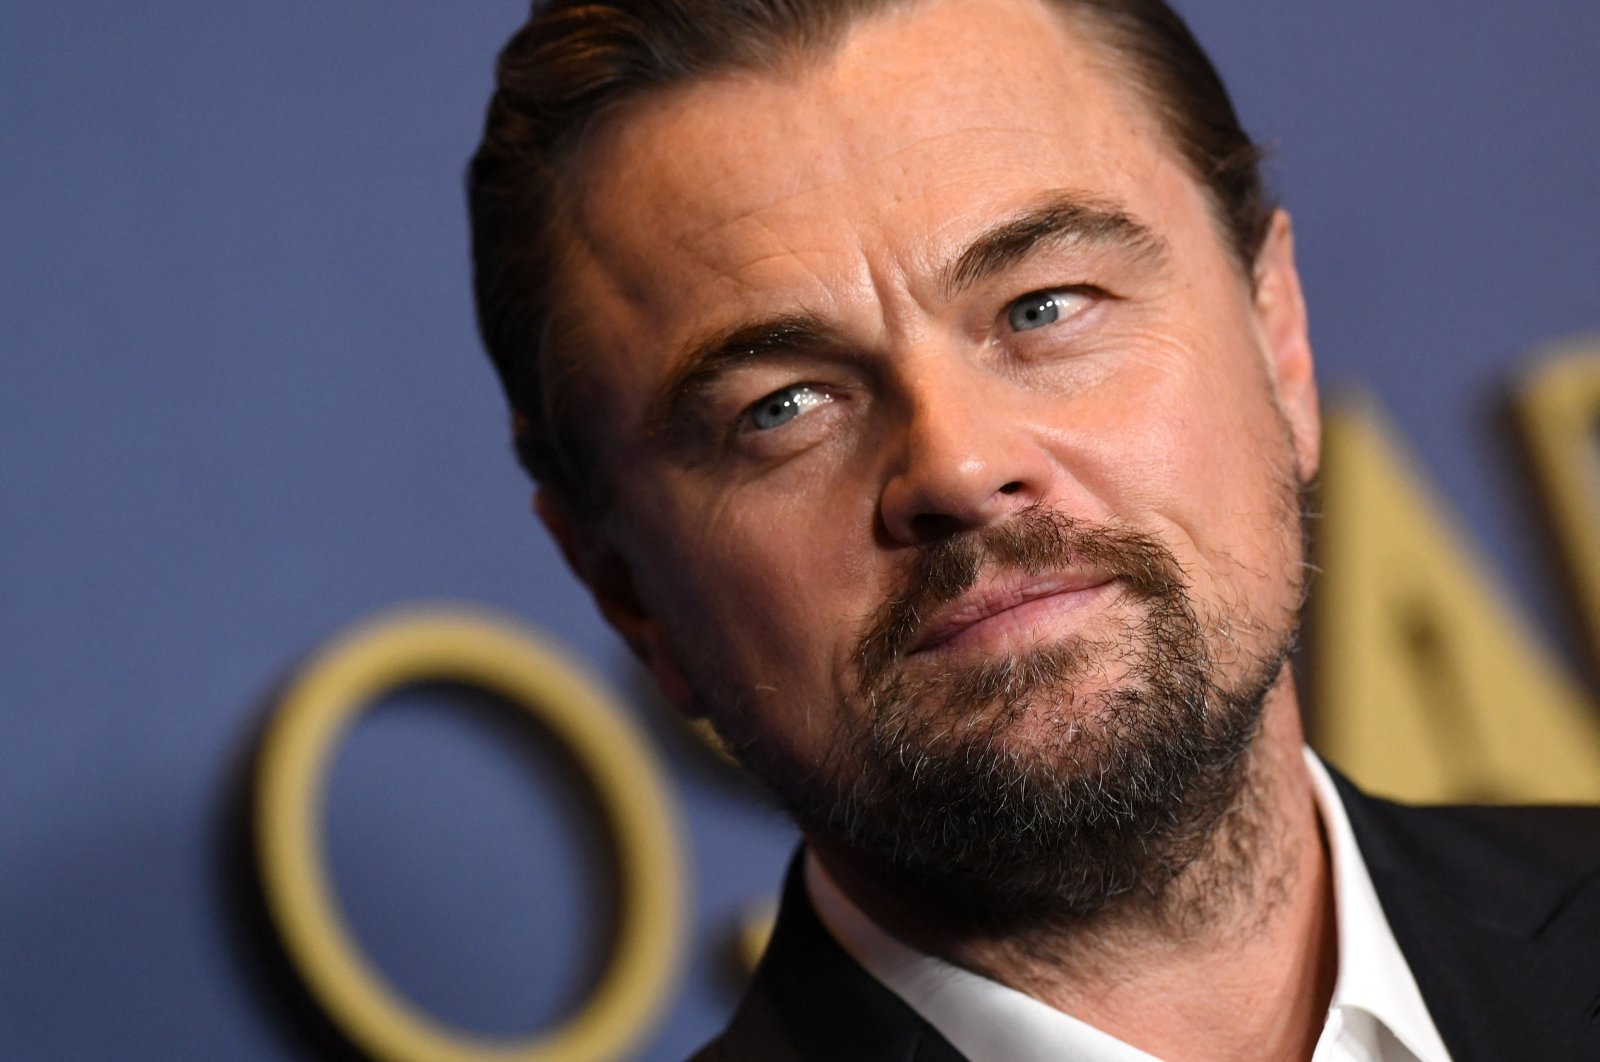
(1281, 313)
(604, 570)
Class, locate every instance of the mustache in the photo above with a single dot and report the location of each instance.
(1035, 541)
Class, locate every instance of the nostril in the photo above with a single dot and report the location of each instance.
(1012, 487)
(930, 527)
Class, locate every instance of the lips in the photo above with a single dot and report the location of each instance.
(997, 608)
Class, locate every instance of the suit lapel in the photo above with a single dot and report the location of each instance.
(811, 1002)
(1497, 911)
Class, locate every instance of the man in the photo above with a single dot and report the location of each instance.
(923, 390)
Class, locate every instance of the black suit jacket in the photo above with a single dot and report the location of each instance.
(1497, 910)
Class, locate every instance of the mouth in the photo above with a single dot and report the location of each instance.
(1007, 611)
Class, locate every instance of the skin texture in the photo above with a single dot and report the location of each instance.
(1173, 398)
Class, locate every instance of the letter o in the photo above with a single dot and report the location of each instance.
(474, 649)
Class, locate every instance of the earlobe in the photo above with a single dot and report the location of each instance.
(1281, 312)
(602, 568)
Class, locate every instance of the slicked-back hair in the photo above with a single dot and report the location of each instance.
(576, 61)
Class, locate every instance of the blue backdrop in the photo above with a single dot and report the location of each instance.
(243, 406)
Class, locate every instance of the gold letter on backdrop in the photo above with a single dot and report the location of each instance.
(1561, 417)
(475, 650)
(1427, 685)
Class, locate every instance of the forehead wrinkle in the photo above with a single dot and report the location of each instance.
(752, 214)
(849, 161)
(591, 247)
(623, 272)
(778, 247)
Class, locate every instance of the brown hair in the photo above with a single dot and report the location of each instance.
(574, 62)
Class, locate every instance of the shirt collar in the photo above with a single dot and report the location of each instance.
(985, 1020)
(982, 1019)
(1373, 974)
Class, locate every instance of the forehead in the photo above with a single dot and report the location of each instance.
(840, 185)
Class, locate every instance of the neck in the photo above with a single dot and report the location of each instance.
(1251, 920)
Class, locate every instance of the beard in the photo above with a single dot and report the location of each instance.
(1047, 785)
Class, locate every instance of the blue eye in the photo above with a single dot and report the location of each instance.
(780, 407)
(1040, 308)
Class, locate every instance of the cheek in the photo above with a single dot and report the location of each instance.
(1242, 513)
(1203, 457)
(764, 585)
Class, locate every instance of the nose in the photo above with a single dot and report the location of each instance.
(964, 459)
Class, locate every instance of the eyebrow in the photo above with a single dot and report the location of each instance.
(708, 358)
(1063, 219)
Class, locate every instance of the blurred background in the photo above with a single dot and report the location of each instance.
(244, 408)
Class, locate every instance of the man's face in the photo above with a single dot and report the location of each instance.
(940, 423)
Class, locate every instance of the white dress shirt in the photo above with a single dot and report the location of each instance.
(1376, 1014)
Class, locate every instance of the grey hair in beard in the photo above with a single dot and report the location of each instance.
(934, 780)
